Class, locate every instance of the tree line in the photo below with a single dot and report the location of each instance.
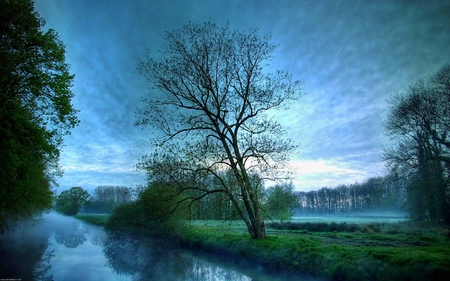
(102, 200)
(378, 194)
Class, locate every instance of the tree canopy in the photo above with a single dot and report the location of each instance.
(281, 201)
(69, 202)
(35, 110)
(214, 113)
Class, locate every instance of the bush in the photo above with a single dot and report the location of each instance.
(126, 217)
(159, 210)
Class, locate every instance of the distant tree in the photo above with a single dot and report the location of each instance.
(212, 113)
(105, 198)
(418, 123)
(281, 201)
(379, 194)
(69, 202)
(35, 110)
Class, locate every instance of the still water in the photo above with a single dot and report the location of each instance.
(63, 248)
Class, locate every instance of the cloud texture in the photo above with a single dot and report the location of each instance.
(351, 55)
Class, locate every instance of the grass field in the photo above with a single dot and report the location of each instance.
(97, 219)
(352, 249)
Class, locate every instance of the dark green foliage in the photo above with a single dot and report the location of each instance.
(158, 209)
(69, 202)
(35, 110)
(126, 217)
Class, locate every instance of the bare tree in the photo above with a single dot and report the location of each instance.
(214, 113)
(418, 124)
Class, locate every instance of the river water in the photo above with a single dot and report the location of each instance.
(64, 248)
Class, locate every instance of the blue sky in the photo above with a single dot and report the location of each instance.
(351, 55)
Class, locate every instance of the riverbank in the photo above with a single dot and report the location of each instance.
(399, 251)
(95, 219)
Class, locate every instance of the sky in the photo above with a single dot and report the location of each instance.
(352, 56)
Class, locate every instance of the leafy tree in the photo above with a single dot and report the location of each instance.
(35, 110)
(418, 125)
(69, 202)
(213, 113)
(281, 201)
(159, 208)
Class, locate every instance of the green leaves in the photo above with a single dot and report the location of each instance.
(35, 110)
(69, 202)
(281, 201)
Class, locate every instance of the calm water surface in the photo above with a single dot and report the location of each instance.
(64, 248)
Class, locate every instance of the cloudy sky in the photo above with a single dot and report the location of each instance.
(351, 55)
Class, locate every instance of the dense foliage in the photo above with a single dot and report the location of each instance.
(35, 110)
(69, 202)
(158, 209)
(418, 124)
(281, 201)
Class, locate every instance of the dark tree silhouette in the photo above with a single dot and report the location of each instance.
(212, 113)
(418, 124)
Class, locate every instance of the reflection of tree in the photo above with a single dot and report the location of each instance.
(24, 254)
(203, 271)
(97, 237)
(70, 235)
(41, 269)
(145, 259)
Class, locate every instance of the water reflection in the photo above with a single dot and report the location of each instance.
(204, 271)
(57, 248)
(24, 253)
(64, 248)
(78, 251)
(145, 259)
(70, 235)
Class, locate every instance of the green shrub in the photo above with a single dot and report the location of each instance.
(159, 210)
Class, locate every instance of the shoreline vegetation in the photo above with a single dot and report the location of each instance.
(332, 250)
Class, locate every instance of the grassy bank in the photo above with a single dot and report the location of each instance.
(375, 251)
(96, 219)
(401, 251)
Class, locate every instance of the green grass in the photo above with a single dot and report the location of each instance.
(96, 219)
(389, 251)
(408, 253)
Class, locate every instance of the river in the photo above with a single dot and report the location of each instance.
(57, 247)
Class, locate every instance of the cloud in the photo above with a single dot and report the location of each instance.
(351, 58)
(315, 174)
